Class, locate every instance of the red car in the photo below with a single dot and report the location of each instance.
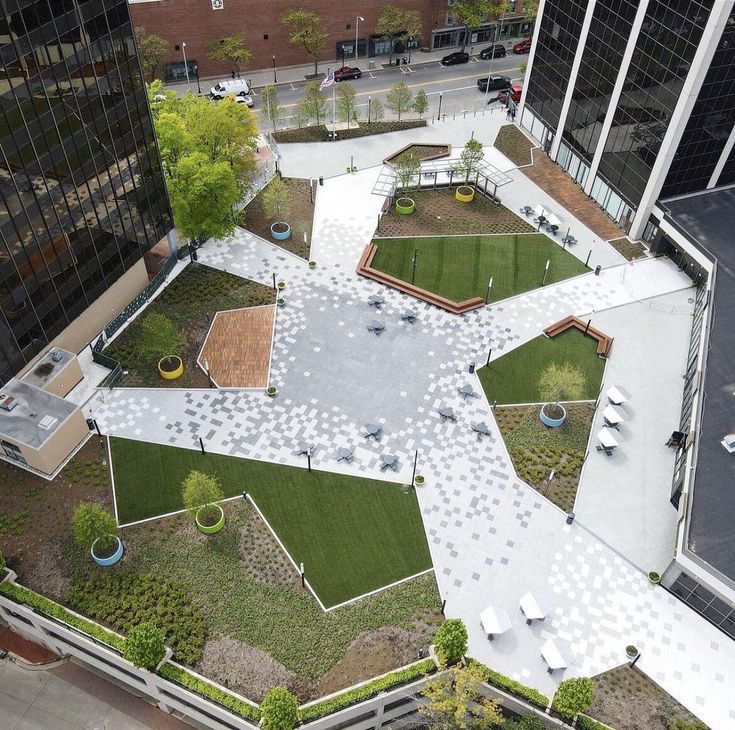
(515, 92)
(347, 72)
(523, 46)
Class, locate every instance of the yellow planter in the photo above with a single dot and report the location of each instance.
(465, 194)
(172, 370)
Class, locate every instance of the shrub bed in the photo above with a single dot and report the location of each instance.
(178, 675)
(587, 723)
(54, 610)
(512, 687)
(514, 144)
(371, 689)
(319, 134)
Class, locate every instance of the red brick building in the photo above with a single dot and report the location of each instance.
(195, 22)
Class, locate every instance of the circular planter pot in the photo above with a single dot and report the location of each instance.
(419, 480)
(548, 420)
(281, 302)
(213, 528)
(170, 367)
(631, 651)
(312, 264)
(281, 285)
(654, 577)
(272, 391)
(280, 231)
(107, 560)
(405, 206)
(465, 194)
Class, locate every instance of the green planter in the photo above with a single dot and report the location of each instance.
(281, 285)
(211, 529)
(312, 264)
(419, 480)
(631, 651)
(654, 577)
(272, 391)
(405, 206)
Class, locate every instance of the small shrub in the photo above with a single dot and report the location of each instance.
(144, 646)
(512, 686)
(276, 199)
(201, 490)
(280, 710)
(451, 641)
(90, 522)
(587, 723)
(159, 337)
(573, 696)
(527, 722)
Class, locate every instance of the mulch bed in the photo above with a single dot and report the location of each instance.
(422, 151)
(629, 249)
(439, 213)
(300, 218)
(514, 144)
(319, 134)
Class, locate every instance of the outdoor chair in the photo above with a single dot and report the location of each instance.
(553, 229)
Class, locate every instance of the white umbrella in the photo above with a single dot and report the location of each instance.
(540, 210)
(534, 606)
(553, 219)
(494, 621)
(557, 654)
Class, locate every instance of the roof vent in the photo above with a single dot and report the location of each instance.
(47, 422)
(7, 402)
(729, 443)
(56, 355)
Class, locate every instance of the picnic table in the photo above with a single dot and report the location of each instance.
(390, 461)
(376, 326)
(447, 413)
(481, 429)
(305, 447)
(409, 315)
(344, 454)
(375, 300)
(466, 391)
(373, 430)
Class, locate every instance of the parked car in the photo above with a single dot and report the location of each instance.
(347, 72)
(514, 93)
(247, 100)
(496, 51)
(455, 58)
(234, 87)
(496, 82)
(523, 46)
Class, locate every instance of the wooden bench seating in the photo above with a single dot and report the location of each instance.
(604, 343)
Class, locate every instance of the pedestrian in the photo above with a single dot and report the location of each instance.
(233, 73)
(507, 113)
(513, 114)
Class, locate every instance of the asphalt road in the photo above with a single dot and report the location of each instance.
(457, 86)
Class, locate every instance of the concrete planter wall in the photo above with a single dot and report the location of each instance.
(552, 422)
(465, 194)
(405, 206)
(112, 559)
(211, 529)
(280, 235)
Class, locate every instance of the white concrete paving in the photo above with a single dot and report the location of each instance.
(491, 536)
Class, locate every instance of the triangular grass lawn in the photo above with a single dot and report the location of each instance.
(460, 267)
(513, 378)
(353, 535)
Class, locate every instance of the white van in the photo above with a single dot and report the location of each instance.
(234, 87)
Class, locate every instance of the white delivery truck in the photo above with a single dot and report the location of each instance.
(234, 87)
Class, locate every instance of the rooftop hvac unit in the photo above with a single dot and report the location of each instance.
(729, 443)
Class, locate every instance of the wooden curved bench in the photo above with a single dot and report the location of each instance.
(604, 343)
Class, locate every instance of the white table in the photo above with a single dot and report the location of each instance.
(607, 439)
(616, 395)
(557, 654)
(494, 621)
(534, 607)
(613, 417)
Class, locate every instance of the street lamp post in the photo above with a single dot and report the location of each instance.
(489, 286)
(186, 65)
(368, 109)
(196, 73)
(439, 115)
(357, 31)
(414, 260)
(275, 80)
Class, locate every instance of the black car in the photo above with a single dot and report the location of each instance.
(454, 58)
(496, 82)
(496, 51)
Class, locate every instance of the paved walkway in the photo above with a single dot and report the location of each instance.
(491, 536)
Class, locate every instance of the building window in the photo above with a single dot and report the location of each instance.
(13, 452)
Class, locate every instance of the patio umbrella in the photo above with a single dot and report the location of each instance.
(535, 606)
(553, 219)
(540, 210)
(557, 654)
(494, 621)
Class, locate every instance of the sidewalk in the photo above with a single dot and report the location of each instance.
(287, 75)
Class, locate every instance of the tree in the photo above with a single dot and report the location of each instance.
(573, 696)
(306, 31)
(561, 382)
(174, 140)
(470, 159)
(398, 99)
(203, 194)
(144, 645)
(346, 105)
(276, 199)
(280, 710)
(230, 48)
(451, 641)
(454, 701)
(398, 25)
(269, 104)
(421, 103)
(472, 13)
(90, 522)
(160, 99)
(314, 101)
(152, 49)
(407, 167)
(159, 337)
(530, 8)
(200, 491)
(376, 111)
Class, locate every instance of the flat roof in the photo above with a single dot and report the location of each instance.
(47, 368)
(36, 415)
(709, 219)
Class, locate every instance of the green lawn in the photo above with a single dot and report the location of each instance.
(459, 267)
(353, 535)
(514, 377)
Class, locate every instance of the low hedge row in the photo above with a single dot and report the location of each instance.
(369, 690)
(54, 610)
(319, 134)
(181, 676)
(587, 723)
(512, 687)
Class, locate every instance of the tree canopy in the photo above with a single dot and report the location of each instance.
(306, 31)
(473, 13)
(152, 49)
(231, 48)
(398, 99)
(398, 25)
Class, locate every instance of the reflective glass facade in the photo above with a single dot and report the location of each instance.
(662, 58)
(556, 45)
(82, 196)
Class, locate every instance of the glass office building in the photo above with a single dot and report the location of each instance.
(82, 196)
(634, 99)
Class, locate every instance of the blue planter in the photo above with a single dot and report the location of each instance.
(114, 558)
(280, 235)
(552, 422)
